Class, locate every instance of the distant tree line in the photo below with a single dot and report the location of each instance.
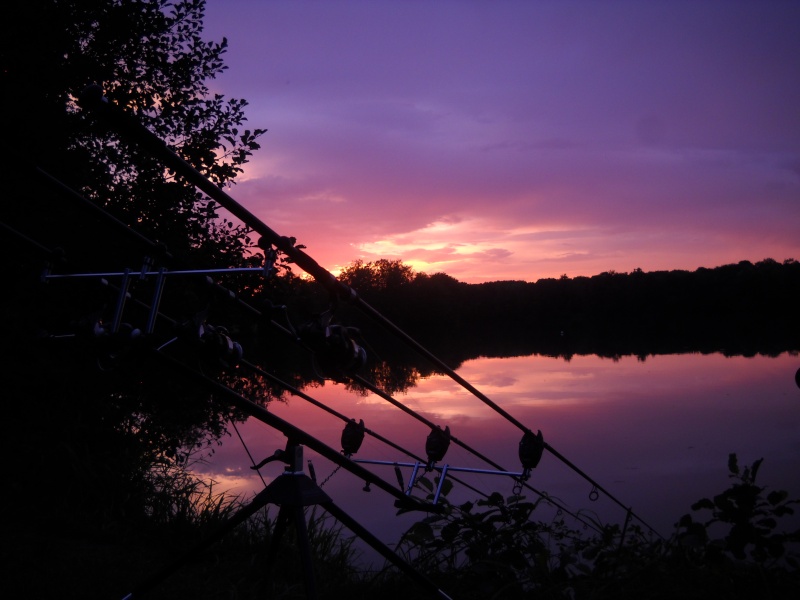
(744, 308)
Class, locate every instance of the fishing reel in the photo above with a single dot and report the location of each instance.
(112, 340)
(220, 347)
(115, 346)
(334, 351)
(216, 349)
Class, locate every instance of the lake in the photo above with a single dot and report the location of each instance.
(655, 433)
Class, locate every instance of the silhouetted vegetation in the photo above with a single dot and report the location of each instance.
(86, 439)
(497, 548)
(99, 439)
(738, 309)
(493, 548)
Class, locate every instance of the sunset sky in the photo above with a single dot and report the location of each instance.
(521, 140)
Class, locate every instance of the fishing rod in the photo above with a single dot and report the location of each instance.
(458, 379)
(230, 295)
(246, 405)
(157, 248)
(289, 387)
(285, 427)
(376, 390)
(71, 194)
(93, 101)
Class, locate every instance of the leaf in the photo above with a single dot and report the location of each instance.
(450, 532)
(446, 487)
(703, 503)
(768, 522)
(777, 496)
(494, 499)
(776, 548)
(425, 483)
(685, 521)
(754, 468)
(733, 464)
(420, 532)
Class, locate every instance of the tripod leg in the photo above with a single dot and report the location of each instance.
(295, 512)
(277, 534)
(304, 546)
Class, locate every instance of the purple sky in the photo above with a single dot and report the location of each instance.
(521, 140)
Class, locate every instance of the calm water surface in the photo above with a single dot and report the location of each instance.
(656, 433)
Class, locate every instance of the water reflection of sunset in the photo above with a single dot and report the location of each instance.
(655, 433)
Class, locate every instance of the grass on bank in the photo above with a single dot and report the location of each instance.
(731, 545)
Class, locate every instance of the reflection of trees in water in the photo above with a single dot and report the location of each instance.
(400, 374)
(393, 377)
(738, 309)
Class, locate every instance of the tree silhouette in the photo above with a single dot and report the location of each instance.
(151, 59)
(105, 429)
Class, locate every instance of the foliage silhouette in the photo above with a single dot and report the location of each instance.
(150, 58)
(107, 428)
(738, 309)
(502, 548)
(749, 517)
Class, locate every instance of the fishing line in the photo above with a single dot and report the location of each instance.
(159, 248)
(246, 449)
(378, 391)
(24, 238)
